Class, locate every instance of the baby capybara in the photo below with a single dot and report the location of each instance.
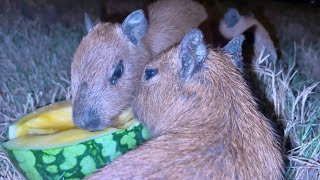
(233, 24)
(202, 118)
(109, 61)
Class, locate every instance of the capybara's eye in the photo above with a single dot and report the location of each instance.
(150, 73)
(117, 73)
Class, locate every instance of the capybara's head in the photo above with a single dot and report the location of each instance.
(257, 37)
(182, 85)
(106, 70)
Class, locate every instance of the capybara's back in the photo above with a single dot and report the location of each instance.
(170, 20)
(202, 118)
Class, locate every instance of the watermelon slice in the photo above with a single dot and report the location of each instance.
(46, 144)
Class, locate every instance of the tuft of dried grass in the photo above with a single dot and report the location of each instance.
(298, 24)
(35, 70)
(7, 170)
(298, 109)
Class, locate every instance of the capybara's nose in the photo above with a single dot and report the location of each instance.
(87, 119)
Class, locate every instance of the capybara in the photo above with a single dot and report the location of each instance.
(109, 61)
(202, 118)
(257, 40)
(233, 24)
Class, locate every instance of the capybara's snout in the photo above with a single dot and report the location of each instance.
(87, 118)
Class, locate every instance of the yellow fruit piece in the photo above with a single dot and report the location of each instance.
(59, 119)
(124, 117)
(59, 139)
(52, 119)
(47, 120)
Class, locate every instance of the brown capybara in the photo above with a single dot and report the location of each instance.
(109, 61)
(233, 24)
(202, 118)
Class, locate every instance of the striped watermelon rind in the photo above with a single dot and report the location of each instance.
(78, 160)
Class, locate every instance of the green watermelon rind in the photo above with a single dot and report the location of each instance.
(77, 160)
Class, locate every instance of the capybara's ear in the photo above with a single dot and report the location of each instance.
(88, 22)
(193, 53)
(234, 48)
(231, 17)
(135, 26)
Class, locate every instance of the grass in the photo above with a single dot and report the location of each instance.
(35, 69)
(295, 87)
(35, 58)
(299, 111)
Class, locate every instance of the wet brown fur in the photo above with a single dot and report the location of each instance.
(205, 128)
(106, 45)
